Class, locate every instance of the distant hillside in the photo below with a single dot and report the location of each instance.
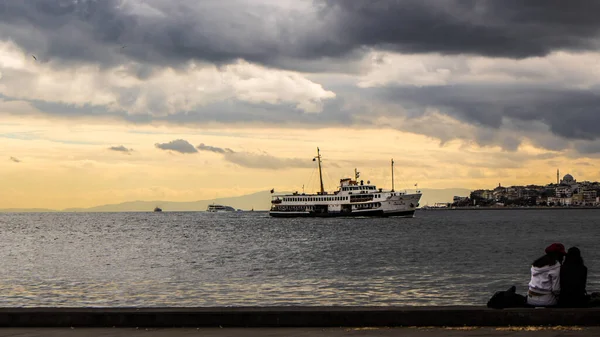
(259, 201)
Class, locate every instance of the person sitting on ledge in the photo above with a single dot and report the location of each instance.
(544, 287)
(573, 278)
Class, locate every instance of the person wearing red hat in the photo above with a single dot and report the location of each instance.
(544, 287)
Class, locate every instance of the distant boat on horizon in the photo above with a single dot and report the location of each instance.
(215, 208)
(157, 209)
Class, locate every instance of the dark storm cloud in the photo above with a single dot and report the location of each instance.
(165, 32)
(158, 32)
(232, 111)
(588, 147)
(571, 114)
(256, 160)
(497, 115)
(510, 28)
(120, 148)
(209, 148)
(16, 160)
(266, 161)
(178, 145)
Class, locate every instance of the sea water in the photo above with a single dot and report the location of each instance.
(450, 257)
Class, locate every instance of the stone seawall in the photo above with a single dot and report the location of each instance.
(295, 317)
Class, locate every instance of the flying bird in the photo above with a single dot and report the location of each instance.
(35, 58)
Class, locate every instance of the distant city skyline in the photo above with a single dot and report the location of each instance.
(563, 192)
(111, 101)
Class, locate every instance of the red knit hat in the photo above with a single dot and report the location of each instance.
(556, 248)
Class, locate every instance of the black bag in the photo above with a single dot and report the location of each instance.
(594, 300)
(507, 299)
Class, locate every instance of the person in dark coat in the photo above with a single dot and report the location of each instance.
(573, 279)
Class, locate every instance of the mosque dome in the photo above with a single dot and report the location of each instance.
(568, 178)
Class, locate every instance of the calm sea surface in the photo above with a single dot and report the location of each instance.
(250, 259)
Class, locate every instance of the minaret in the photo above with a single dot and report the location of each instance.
(557, 176)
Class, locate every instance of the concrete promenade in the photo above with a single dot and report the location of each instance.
(297, 317)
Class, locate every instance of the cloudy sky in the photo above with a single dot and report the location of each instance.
(104, 101)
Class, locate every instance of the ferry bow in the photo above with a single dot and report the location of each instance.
(352, 198)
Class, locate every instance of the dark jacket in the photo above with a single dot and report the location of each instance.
(573, 279)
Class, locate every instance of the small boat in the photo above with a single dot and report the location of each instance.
(157, 209)
(215, 208)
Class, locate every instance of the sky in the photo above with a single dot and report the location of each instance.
(106, 101)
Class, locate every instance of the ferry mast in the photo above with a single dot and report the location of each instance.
(318, 157)
(392, 175)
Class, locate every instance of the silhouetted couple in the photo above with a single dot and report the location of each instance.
(557, 283)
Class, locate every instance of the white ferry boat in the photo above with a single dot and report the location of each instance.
(219, 208)
(353, 198)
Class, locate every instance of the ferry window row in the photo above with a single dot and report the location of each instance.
(370, 205)
(316, 199)
(357, 188)
(325, 198)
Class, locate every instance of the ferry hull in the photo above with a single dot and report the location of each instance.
(374, 213)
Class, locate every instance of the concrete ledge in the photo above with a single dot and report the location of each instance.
(294, 317)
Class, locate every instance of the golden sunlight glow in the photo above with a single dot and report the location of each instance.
(63, 165)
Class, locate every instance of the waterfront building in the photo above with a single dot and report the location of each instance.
(482, 194)
(499, 192)
(565, 192)
(589, 196)
(557, 201)
(513, 193)
(529, 193)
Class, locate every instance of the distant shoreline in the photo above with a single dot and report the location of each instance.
(131, 211)
(506, 208)
(266, 211)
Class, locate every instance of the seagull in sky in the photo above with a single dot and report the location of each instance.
(35, 58)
